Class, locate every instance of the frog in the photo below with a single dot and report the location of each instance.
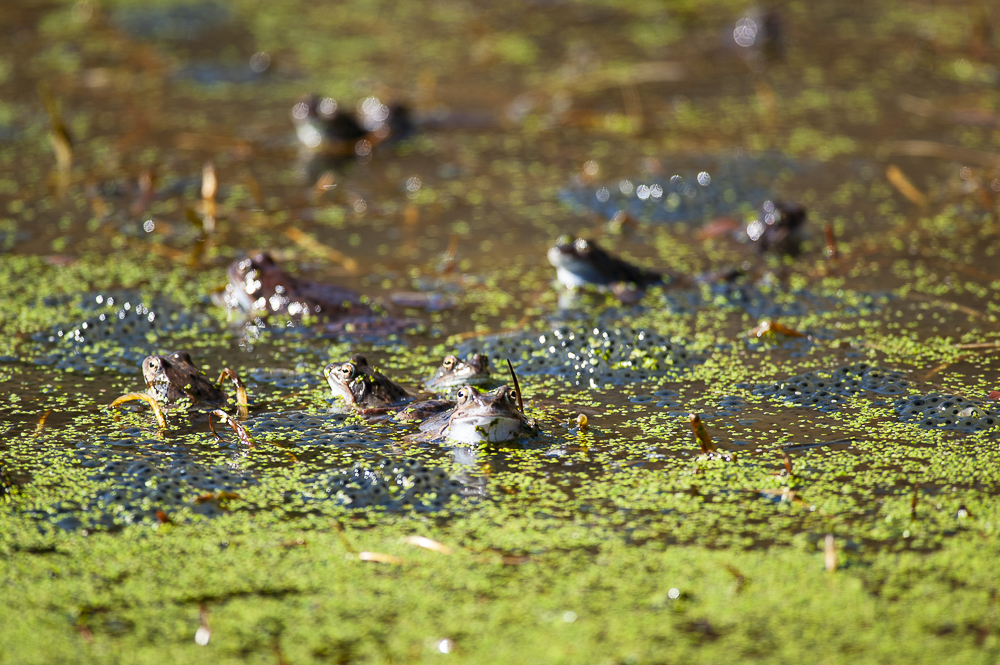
(779, 230)
(322, 126)
(259, 285)
(455, 372)
(172, 377)
(478, 418)
(581, 262)
(175, 376)
(363, 387)
(371, 393)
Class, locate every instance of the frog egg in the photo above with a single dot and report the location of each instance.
(141, 470)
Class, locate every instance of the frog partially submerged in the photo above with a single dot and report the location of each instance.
(322, 126)
(363, 387)
(454, 372)
(581, 262)
(368, 391)
(258, 285)
(779, 230)
(479, 417)
(173, 377)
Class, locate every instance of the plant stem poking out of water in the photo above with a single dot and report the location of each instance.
(741, 579)
(209, 185)
(62, 144)
(701, 434)
(829, 553)
(904, 186)
(517, 388)
(832, 252)
(148, 399)
(241, 432)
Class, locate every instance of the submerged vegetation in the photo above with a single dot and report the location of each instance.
(781, 451)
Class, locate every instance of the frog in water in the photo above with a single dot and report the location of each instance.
(581, 262)
(370, 392)
(363, 387)
(479, 417)
(257, 284)
(455, 372)
(779, 230)
(175, 376)
(322, 126)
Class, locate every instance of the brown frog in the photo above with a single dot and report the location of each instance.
(454, 372)
(172, 377)
(323, 126)
(779, 230)
(175, 376)
(259, 287)
(370, 392)
(362, 387)
(479, 417)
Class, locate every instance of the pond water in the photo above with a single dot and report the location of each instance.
(663, 133)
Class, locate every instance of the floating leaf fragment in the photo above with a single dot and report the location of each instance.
(829, 553)
(772, 328)
(428, 544)
(379, 557)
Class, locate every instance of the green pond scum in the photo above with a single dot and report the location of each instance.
(847, 379)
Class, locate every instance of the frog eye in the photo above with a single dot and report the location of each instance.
(347, 370)
(463, 395)
(450, 362)
(581, 245)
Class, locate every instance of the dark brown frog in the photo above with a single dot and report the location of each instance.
(779, 230)
(323, 126)
(258, 285)
(175, 376)
(581, 262)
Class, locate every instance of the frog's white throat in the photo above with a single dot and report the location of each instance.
(476, 429)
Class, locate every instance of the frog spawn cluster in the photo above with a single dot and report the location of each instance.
(391, 483)
(114, 337)
(830, 390)
(136, 484)
(691, 197)
(590, 356)
(305, 429)
(943, 411)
